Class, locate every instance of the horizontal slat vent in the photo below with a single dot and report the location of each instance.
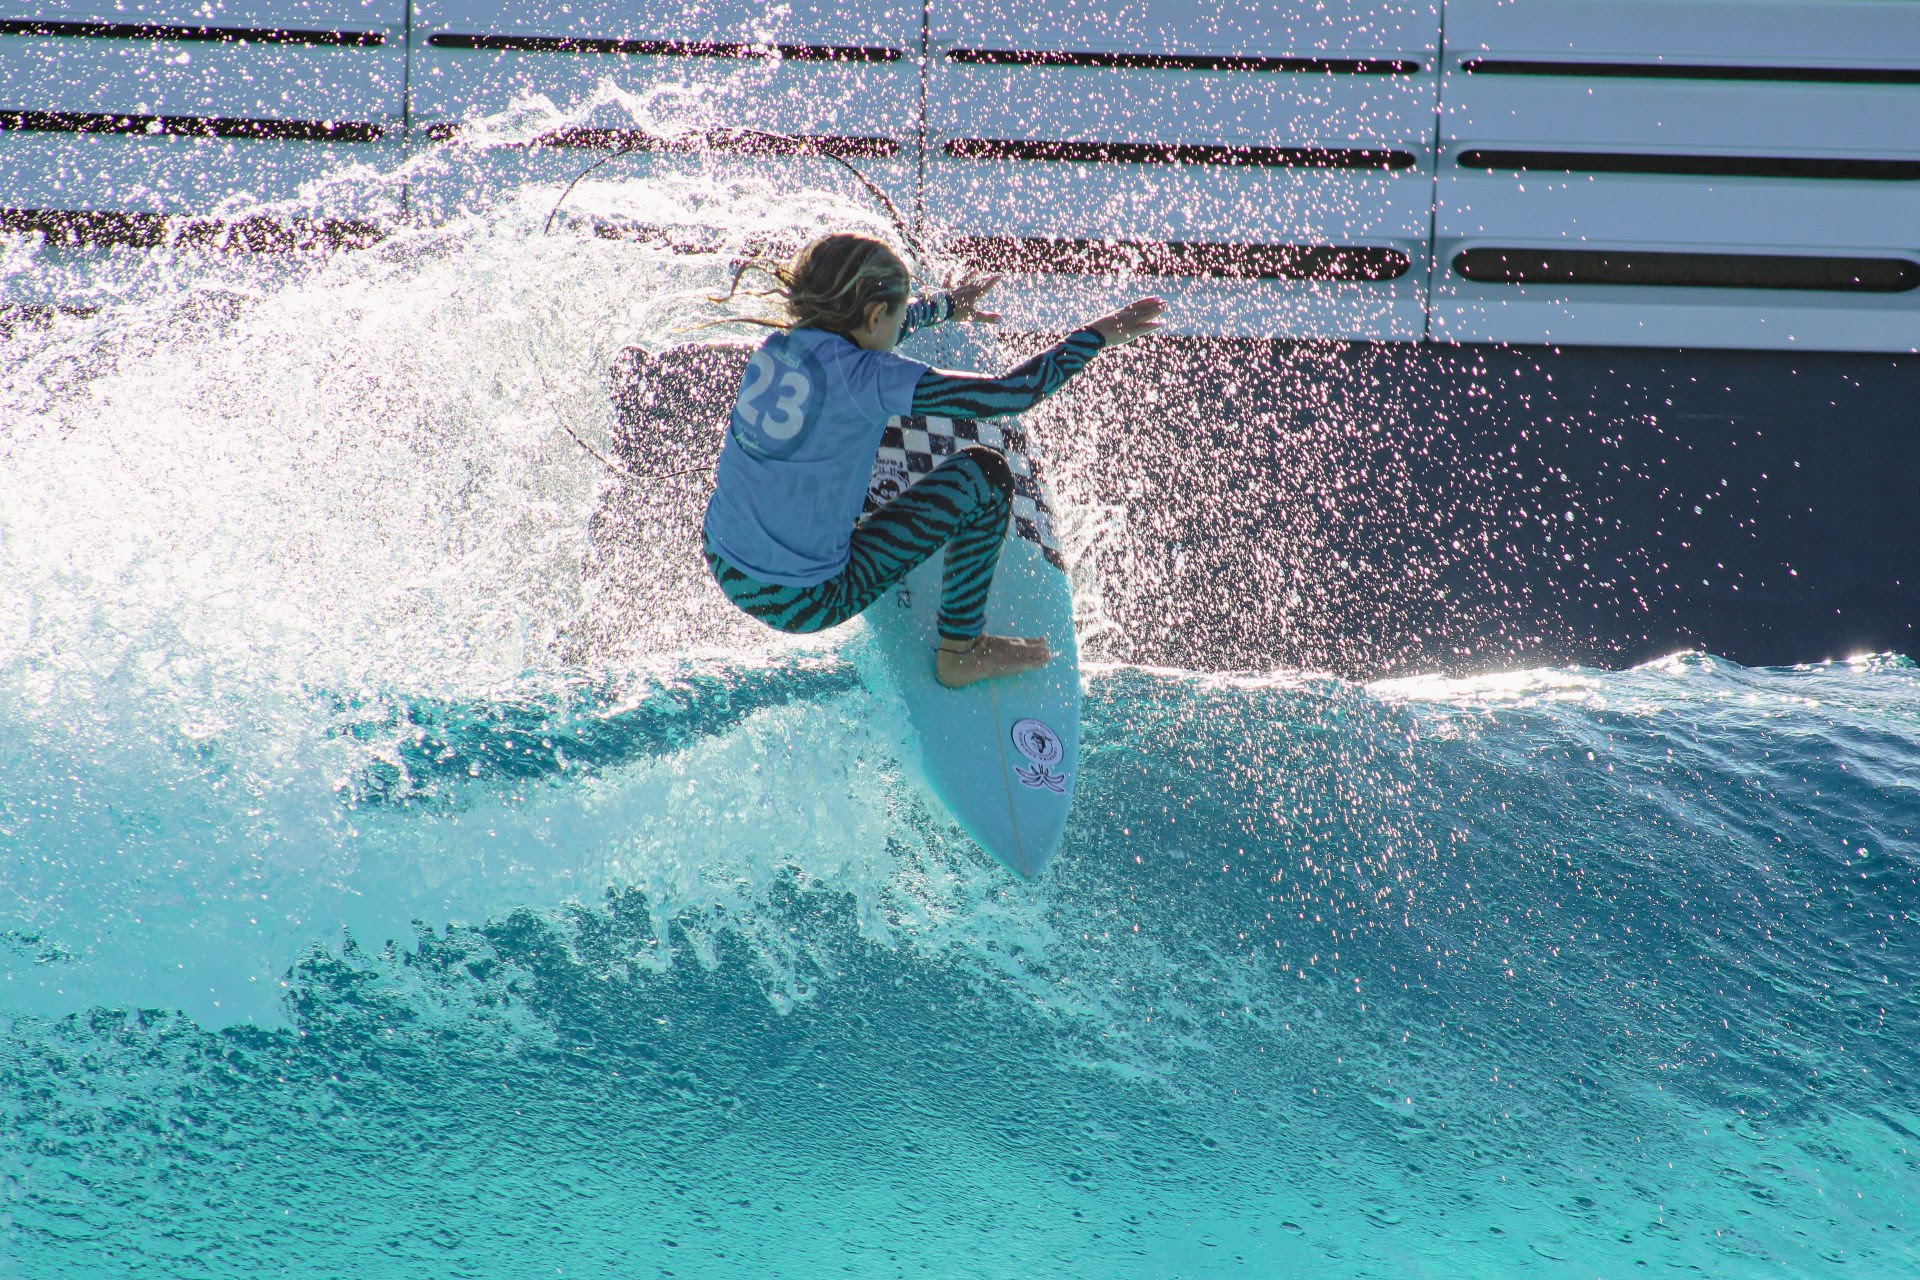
(663, 48)
(87, 227)
(201, 35)
(1184, 62)
(1690, 71)
(752, 142)
(1174, 258)
(190, 126)
(1688, 270)
(36, 317)
(1178, 153)
(1717, 166)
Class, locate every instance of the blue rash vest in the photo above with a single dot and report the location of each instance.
(799, 452)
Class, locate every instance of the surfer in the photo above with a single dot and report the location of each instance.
(781, 537)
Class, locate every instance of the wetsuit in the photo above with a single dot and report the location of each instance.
(772, 540)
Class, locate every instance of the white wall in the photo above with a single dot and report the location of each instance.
(872, 98)
(1659, 117)
(1329, 110)
(957, 137)
(180, 81)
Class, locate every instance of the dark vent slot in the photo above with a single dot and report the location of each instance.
(206, 35)
(735, 141)
(1170, 153)
(1701, 166)
(86, 227)
(35, 317)
(1688, 270)
(1682, 71)
(1183, 62)
(191, 126)
(1172, 258)
(664, 48)
(689, 240)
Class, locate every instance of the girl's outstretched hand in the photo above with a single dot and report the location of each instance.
(1134, 320)
(969, 294)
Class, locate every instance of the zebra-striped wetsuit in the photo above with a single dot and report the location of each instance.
(963, 504)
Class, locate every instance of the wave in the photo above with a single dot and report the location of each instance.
(1482, 954)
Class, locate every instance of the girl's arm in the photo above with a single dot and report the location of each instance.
(929, 310)
(975, 395)
(962, 302)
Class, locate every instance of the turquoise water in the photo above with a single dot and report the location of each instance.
(410, 868)
(1560, 973)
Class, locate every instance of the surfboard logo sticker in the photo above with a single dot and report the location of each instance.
(890, 480)
(1043, 749)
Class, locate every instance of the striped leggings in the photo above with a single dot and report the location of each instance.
(963, 505)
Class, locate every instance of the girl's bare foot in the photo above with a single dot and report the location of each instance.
(959, 663)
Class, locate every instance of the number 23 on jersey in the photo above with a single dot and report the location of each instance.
(779, 400)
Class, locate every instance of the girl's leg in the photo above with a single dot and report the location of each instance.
(966, 503)
(769, 602)
(963, 504)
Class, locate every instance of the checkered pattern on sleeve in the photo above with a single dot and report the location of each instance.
(922, 443)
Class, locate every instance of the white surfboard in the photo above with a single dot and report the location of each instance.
(1001, 755)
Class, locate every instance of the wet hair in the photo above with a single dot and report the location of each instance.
(831, 282)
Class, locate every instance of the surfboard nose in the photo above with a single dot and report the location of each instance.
(1028, 867)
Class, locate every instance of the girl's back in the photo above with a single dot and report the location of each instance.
(799, 449)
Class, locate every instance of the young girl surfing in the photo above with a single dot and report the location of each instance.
(781, 532)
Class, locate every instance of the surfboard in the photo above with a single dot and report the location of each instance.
(1000, 755)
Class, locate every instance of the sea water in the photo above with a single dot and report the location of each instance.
(410, 867)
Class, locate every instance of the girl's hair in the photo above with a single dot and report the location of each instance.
(831, 282)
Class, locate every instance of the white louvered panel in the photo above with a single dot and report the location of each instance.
(1792, 219)
(667, 93)
(852, 23)
(1725, 115)
(296, 15)
(1835, 33)
(786, 97)
(63, 93)
(1270, 108)
(1193, 105)
(1333, 28)
(1791, 216)
(1682, 116)
(187, 176)
(1617, 316)
(1182, 202)
(181, 78)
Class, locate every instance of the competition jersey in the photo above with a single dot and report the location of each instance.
(799, 450)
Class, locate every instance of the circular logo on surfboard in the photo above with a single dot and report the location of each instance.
(1043, 749)
(1036, 742)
